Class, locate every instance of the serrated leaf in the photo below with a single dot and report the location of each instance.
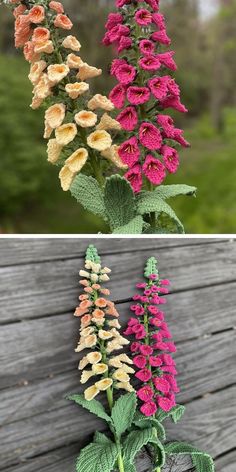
(135, 226)
(150, 202)
(175, 413)
(119, 201)
(135, 441)
(97, 458)
(88, 193)
(128, 467)
(142, 422)
(101, 438)
(202, 461)
(123, 412)
(151, 267)
(93, 406)
(168, 191)
(92, 254)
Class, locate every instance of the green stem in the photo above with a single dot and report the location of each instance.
(120, 462)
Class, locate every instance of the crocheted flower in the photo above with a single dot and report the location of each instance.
(128, 118)
(171, 158)
(146, 47)
(143, 17)
(138, 95)
(150, 63)
(154, 170)
(118, 96)
(125, 73)
(150, 136)
(134, 176)
(129, 151)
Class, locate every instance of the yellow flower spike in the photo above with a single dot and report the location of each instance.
(99, 369)
(98, 321)
(127, 369)
(45, 47)
(94, 277)
(86, 375)
(57, 72)
(104, 384)
(47, 130)
(73, 61)
(125, 386)
(77, 160)
(111, 154)
(86, 331)
(100, 101)
(107, 122)
(71, 42)
(83, 273)
(125, 358)
(36, 102)
(105, 334)
(55, 115)
(99, 140)
(66, 178)
(106, 270)
(103, 277)
(42, 89)
(76, 89)
(114, 324)
(115, 363)
(113, 346)
(53, 150)
(94, 357)
(83, 363)
(81, 346)
(95, 267)
(121, 375)
(66, 133)
(91, 393)
(36, 70)
(85, 118)
(88, 72)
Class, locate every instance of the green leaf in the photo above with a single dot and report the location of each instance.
(150, 202)
(168, 191)
(128, 467)
(151, 268)
(93, 406)
(119, 201)
(88, 193)
(101, 438)
(123, 412)
(142, 422)
(97, 458)
(135, 226)
(175, 413)
(92, 254)
(202, 462)
(135, 441)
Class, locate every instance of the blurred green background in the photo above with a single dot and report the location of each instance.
(203, 35)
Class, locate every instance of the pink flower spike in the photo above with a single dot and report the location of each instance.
(167, 123)
(143, 17)
(148, 409)
(115, 64)
(146, 47)
(178, 136)
(125, 73)
(154, 4)
(153, 309)
(153, 277)
(151, 138)
(140, 361)
(118, 95)
(129, 151)
(141, 285)
(170, 158)
(161, 385)
(145, 393)
(161, 37)
(138, 95)
(167, 359)
(154, 170)
(128, 118)
(134, 177)
(159, 20)
(121, 3)
(136, 297)
(146, 350)
(150, 63)
(144, 375)
(165, 403)
(164, 282)
(170, 369)
(113, 20)
(174, 102)
(154, 322)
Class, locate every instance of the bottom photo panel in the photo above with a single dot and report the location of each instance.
(117, 355)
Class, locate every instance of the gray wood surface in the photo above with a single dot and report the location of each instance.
(39, 429)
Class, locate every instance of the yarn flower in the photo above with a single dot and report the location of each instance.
(59, 77)
(100, 337)
(152, 347)
(145, 91)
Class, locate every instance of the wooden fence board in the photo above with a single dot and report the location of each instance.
(51, 287)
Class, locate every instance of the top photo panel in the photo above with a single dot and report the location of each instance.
(117, 117)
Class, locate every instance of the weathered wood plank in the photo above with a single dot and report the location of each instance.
(227, 463)
(22, 251)
(210, 423)
(38, 348)
(33, 290)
